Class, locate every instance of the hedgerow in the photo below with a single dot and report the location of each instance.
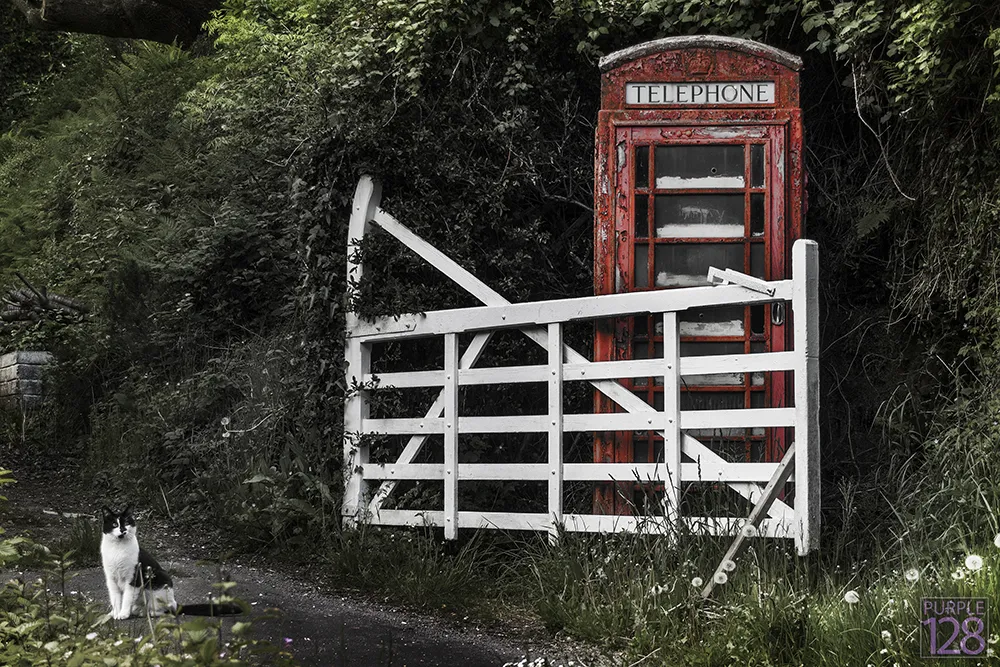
(198, 200)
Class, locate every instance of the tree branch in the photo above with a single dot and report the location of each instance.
(165, 21)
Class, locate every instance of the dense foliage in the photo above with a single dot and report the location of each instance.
(198, 201)
(44, 622)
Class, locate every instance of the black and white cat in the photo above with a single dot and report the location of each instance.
(136, 582)
(137, 585)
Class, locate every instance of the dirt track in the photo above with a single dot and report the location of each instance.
(321, 628)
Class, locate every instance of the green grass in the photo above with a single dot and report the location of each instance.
(83, 542)
(633, 595)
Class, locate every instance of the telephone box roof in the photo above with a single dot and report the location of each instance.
(747, 46)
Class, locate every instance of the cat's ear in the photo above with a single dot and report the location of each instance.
(107, 512)
(127, 511)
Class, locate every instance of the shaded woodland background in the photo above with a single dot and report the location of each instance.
(197, 200)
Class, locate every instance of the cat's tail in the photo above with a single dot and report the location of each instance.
(210, 609)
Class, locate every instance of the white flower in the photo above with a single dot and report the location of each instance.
(750, 531)
(91, 635)
(851, 597)
(697, 582)
(720, 578)
(886, 635)
(974, 562)
(996, 541)
(912, 575)
(728, 565)
(958, 574)
(224, 421)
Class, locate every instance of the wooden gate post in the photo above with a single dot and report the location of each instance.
(805, 312)
(358, 358)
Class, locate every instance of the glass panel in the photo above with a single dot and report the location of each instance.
(641, 325)
(641, 274)
(701, 349)
(757, 319)
(640, 351)
(642, 166)
(757, 214)
(757, 166)
(708, 435)
(641, 216)
(658, 401)
(641, 449)
(757, 401)
(698, 216)
(712, 400)
(716, 321)
(686, 265)
(757, 260)
(658, 379)
(714, 166)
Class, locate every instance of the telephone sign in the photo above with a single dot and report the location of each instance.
(698, 164)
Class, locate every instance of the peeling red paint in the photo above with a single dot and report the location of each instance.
(777, 126)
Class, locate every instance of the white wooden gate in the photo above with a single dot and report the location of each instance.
(686, 459)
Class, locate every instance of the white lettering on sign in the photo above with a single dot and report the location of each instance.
(712, 92)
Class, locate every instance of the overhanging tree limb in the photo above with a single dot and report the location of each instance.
(163, 21)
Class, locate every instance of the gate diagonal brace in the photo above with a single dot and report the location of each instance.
(757, 514)
(729, 276)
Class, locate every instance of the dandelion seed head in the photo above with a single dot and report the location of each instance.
(851, 597)
(912, 575)
(697, 582)
(974, 562)
(728, 565)
(720, 578)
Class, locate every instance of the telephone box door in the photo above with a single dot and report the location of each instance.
(697, 197)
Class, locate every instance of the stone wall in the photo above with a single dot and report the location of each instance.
(21, 377)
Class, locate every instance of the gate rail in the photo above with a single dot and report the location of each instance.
(543, 322)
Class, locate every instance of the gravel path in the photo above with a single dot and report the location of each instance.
(321, 628)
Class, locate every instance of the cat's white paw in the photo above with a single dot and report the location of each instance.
(122, 616)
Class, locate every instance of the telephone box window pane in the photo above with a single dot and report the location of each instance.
(641, 216)
(641, 275)
(712, 400)
(701, 349)
(640, 351)
(714, 166)
(757, 260)
(757, 319)
(757, 214)
(706, 348)
(757, 166)
(641, 325)
(716, 321)
(699, 216)
(686, 265)
(642, 166)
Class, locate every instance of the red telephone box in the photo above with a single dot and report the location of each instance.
(698, 164)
